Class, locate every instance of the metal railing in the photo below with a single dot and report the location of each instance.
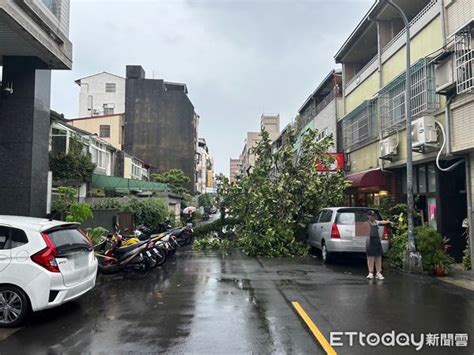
(360, 127)
(422, 13)
(412, 22)
(464, 59)
(391, 101)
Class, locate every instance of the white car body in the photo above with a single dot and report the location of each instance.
(76, 265)
(348, 231)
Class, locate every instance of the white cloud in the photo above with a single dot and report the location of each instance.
(238, 58)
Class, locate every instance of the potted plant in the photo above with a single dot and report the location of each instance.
(442, 262)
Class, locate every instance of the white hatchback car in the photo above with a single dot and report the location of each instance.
(43, 264)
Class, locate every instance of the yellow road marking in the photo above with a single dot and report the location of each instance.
(314, 329)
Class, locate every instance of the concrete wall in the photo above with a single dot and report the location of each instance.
(32, 39)
(426, 42)
(365, 158)
(95, 86)
(102, 218)
(462, 118)
(271, 123)
(93, 124)
(24, 143)
(233, 169)
(364, 91)
(127, 168)
(458, 13)
(201, 169)
(160, 125)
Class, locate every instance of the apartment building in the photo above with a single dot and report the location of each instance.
(247, 159)
(455, 80)
(233, 169)
(101, 94)
(34, 39)
(204, 167)
(373, 124)
(160, 123)
(321, 109)
(110, 128)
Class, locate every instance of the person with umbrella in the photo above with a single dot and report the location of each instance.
(189, 211)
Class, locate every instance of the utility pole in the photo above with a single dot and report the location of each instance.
(412, 259)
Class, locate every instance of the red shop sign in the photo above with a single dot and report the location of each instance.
(338, 163)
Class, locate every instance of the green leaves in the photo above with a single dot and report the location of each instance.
(67, 206)
(72, 166)
(146, 211)
(206, 201)
(278, 199)
(175, 178)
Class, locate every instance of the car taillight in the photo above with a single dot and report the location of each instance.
(335, 232)
(386, 232)
(46, 256)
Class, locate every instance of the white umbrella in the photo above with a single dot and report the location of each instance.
(189, 209)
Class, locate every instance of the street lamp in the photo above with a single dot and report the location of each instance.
(410, 201)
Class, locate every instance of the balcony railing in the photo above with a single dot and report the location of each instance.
(415, 19)
(397, 42)
(391, 99)
(359, 76)
(360, 127)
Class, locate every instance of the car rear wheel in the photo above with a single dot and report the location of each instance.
(14, 306)
(326, 256)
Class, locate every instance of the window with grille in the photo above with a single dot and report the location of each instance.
(104, 131)
(391, 101)
(464, 58)
(110, 87)
(359, 127)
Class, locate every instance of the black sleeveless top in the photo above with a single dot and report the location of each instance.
(374, 245)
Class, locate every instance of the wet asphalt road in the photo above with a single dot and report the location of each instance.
(209, 302)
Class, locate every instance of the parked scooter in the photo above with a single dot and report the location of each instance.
(112, 257)
(165, 243)
(181, 236)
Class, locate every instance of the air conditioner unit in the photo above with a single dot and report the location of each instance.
(444, 73)
(423, 132)
(388, 147)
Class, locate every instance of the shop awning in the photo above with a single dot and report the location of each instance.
(369, 178)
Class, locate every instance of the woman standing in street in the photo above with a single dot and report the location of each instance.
(374, 246)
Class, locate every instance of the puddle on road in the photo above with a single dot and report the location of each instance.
(242, 284)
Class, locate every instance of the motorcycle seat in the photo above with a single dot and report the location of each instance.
(123, 250)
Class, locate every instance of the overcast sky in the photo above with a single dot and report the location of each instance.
(239, 58)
